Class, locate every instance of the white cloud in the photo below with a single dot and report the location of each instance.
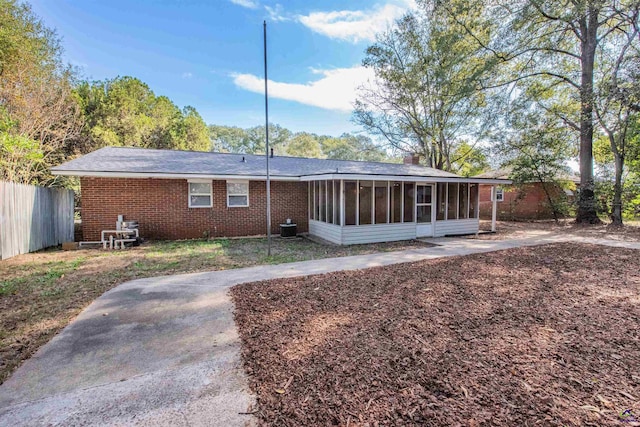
(277, 14)
(249, 4)
(187, 75)
(356, 25)
(336, 90)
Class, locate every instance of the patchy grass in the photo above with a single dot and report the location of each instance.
(41, 292)
(544, 335)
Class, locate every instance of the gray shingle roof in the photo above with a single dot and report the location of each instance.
(502, 173)
(139, 160)
(505, 173)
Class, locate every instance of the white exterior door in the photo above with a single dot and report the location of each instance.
(424, 210)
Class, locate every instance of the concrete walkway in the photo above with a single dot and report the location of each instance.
(165, 350)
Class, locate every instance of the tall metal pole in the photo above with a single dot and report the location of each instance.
(266, 125)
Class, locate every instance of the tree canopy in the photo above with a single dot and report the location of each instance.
(125, 112)
(38, 112)
(425, 97)
(559, 47)
(300, 144)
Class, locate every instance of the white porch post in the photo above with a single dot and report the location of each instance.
(342, 203)
(494, 207)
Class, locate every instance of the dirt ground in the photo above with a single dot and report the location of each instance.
(546, 335)
(40, 293)
(509, 230)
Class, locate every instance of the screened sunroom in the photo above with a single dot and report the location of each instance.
(352, 211)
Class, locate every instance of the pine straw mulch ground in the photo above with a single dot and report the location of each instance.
(546, 335)
(630, 232)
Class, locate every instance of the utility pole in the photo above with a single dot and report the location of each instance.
(266, 125)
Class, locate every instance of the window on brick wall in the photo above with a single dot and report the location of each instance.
(200, 194)
(237, 194)
(499, 194)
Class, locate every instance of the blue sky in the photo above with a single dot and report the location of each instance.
(208, 54)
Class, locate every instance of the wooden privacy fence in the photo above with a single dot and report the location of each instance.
(33, 218)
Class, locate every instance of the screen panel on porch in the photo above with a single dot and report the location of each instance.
(364, 199)
(316, 200)
(368, 202)
(409, 195)
(456, 201)
(329, 201)
(473, 201)
(336, 202)
(322, 201)
(463, 203)
(452, 201)
(441, 201)
(350, 202)
(381, 203)
(395, 202)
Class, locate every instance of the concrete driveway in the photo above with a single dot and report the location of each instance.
(165, 350)
(148, 352)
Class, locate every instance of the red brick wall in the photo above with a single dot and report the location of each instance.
(520, 203)
(161, 208)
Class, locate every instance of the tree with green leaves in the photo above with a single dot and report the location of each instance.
(125, 112)
(425, 96)
(189, 131)
(21, 158)
(38, 112)
(556, 44)
(469, 160)
(615, 101)
(618, 187)
(304, 144)
(353, 147)
(231, 139)
(226, 139)
(301, 144)
(537, 149)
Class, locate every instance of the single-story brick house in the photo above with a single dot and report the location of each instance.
(526, 201)
(186, 194)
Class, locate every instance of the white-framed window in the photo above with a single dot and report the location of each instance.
(237, 194)
(499, 193)
(200, 194)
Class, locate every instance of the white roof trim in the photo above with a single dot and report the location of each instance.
(304, 178)
(405, 178)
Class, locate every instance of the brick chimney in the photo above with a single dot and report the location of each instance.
(412, 159)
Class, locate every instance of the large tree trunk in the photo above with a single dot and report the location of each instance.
(616, 208)
(587, 213)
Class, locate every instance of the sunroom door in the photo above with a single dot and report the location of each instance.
(424, 210)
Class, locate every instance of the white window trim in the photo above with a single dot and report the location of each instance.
(498, 193)
(210, 194)
(237, 181)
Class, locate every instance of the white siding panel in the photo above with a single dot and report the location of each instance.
(457, 226)
(330, 232)
(352, 235)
